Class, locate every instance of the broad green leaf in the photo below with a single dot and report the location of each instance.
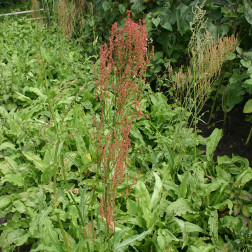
(6, 145)
(248, 12)
(183, 186)
(179, 207)
(181, 14)
(13, 179)
(4, 201)
(122, 8)
(169, 236)
(23, 98)
(47, 175)
(118, 236)
(157, 56)
(202, 248)
(212, 143)
(230, 222)
(132, 240)
(37, 161)
(35, 91)
(213, 226)
(144, 201)
(22, 239)
(244, 178)
(42, 247)
(223, 204)
(14, 236)
(156, 21)
(137, 7)
(164, 22)
(106, 5)
(246, 63)
(156, 196)
(245, 195)
(248, 107)
(188, 227)
(215, 185)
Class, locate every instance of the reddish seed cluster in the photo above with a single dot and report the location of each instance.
(123, 63)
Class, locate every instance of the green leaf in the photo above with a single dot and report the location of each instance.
(179, 207)
(244, 178)
(186, 228)
(213, 226)
(14, 179)
(118, 236)
(47, 175)
(156, 196)
(157, 56)
(23, 98)
(248, 12)
(132, 240)
(7, 145)
(245, 195)
(183, 186)
(137, 7)
(169, 236)
(212, 143)
(223, 204)
(122, 8)
(164, 22)
(143, 200)
(4, 201)
(230, 222)
(181, 14)
(246, 63)
(35, 91)
(39, 164)
(107, 5)
(156, 21)
(248, 107)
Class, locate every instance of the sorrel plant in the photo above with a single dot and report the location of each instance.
(123, 63)
(193, 87)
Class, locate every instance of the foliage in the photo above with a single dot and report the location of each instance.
(7, 3)
(48, 162)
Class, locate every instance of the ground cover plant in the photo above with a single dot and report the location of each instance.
(91, 159)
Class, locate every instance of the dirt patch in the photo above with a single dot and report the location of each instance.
(235, 133)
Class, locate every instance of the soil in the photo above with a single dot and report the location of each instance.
(235, 133)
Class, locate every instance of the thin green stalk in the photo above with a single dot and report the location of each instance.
(56, 163)
(225, 122)
(63, 233)
(249, 136)
(215, 99)
(78, 209)
(195, 105)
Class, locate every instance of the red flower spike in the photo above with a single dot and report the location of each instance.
(123, 63)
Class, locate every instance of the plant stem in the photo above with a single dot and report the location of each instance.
(63, 233)
(249, 136)
(78, 209)
(195, 105)
(215, 99)
(224, 122)
(51, 109)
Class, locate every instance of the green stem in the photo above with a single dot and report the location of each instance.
(215, 99)
(195, 106)
(225, 122)
(51, 109)
(78, 209)
(249, 136)
(63, 233)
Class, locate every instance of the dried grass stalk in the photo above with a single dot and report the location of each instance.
(207, 58)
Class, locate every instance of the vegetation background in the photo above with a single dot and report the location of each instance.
(77, 115)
